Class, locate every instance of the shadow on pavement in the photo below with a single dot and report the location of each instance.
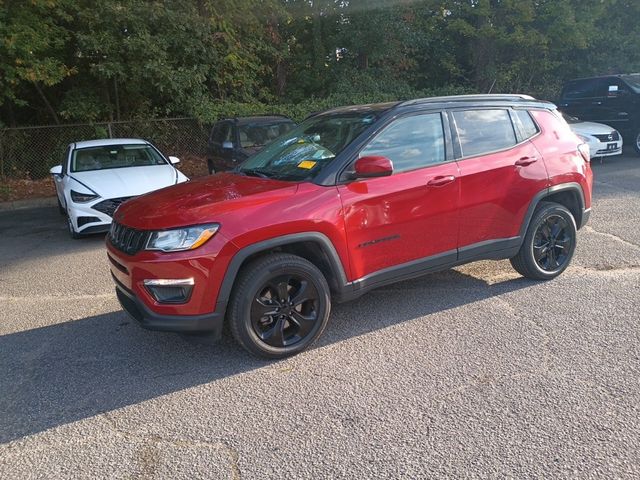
(66, 372)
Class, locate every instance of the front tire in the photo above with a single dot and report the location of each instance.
(212, 169)
(549, 243)
(280, 306)
(636, 142)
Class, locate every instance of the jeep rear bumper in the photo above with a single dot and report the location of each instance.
(586, 213)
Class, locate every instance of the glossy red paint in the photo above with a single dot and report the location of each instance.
(206, 266)
(397, 219)
(373, 223)
(373, 166)
(269, 209)
(558, 145)
(204, 200)
(496, 192)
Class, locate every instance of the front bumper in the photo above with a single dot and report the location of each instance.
(605, 149)
(210, 323)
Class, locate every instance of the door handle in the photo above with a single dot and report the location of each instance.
(440, 180)
(597, 103)
(524, 161)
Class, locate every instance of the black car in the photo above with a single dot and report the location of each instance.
(233, 140)
(613, 100)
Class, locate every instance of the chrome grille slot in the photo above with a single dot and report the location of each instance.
(126, 239)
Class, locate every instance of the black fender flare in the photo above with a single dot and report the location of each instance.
(573, 187)
(323, 242)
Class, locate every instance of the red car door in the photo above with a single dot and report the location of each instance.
(410, 216)
(500, 172)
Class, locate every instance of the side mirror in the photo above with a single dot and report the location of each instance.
(57, 170)
(373, 166)
(174, 160)
(227, 145)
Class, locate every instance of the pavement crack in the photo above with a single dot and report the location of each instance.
(608, 269)
(590, 229)
(149, 454)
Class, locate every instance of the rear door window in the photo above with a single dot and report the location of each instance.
(484, 131)
(587, 88)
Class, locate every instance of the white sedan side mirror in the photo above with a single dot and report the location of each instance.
(174, 160)
(57, 170)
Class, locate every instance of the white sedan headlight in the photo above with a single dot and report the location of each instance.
(186, 238)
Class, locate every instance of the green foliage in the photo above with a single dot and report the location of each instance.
(99, 60)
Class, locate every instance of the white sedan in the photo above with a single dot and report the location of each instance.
(96, 176)
(603, 140)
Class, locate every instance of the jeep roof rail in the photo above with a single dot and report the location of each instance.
(470, 98)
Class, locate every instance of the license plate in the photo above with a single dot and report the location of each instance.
(612, 146)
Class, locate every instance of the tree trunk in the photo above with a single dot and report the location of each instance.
(363, 60)
(52, 112)
(281, 77)
(11, 113)
(105, 89)
(318, 51)
(115, 88)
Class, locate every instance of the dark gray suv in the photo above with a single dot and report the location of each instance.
(233, 140)
(612, 99)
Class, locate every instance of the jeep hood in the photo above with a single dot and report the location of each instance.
(202, 200)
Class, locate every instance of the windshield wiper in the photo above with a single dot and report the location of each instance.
(255, 172)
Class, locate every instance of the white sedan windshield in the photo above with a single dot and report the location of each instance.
(115, 156)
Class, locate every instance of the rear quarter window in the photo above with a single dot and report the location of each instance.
(484, 131)
(525, 126)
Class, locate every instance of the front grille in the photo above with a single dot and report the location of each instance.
(109, 206)
(609, 137)
(127, 240)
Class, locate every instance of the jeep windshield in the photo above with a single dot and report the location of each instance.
(301, 153)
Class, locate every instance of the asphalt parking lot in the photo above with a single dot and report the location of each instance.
(473, 372)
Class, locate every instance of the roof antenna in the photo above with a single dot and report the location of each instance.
(492, 85)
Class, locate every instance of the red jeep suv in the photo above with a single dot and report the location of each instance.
(352, 199)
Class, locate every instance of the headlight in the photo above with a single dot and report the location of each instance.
(583, 138)
(187, 238)
(78, 197)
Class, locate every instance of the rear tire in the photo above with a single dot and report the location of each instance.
(636, 142)
(549, 243)
(280, 305)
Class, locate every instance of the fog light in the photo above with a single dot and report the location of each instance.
(170, 291)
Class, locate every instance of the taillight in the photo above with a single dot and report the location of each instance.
(585, 151)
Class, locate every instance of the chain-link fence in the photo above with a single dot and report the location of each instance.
(29, 152)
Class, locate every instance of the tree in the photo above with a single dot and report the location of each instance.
(32, 51)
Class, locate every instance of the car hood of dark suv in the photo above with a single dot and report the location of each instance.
(200, 201)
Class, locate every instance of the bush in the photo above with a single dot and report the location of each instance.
(353, 91)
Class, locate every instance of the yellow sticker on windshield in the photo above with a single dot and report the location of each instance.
(307, 164)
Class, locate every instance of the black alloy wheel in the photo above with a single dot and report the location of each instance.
(548, 245)
(285, 310)
(552, 243)
(279, 306)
